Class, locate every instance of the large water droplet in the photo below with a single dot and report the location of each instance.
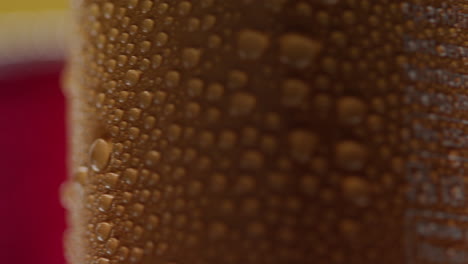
(252, 44)
(99, 154)
(297, 50)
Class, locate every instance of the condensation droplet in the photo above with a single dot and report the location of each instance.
(294, 92)
(356, 189)
(252, 44)
(132, 77)
(309, 184)
(190, 57)
(349, 227)
(112, 245)
(81, 175)
(252, 160)
(302, 144)
(130, 176)
(350, 155)
(161, 39)
(237, 79)
(102, 261)
(105, 202)
(99, 154)
(297, 50)
(172, 79)
(217, 230)
(214, 91)
(350, 110)
(147, 25)
(137, 209)
(184, 8)
(145, 99)
(103, 231)
(108, 10)
(152, 158)
(242, 103)
(110, 180)
(136, 255)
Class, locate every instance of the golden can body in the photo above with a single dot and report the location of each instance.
(269, 131)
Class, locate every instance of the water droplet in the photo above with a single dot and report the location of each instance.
(105, 202)
(297, 50)
(193, 24)
(161, 39)
(145, 46)
(108, 10)
(251, 160)
(350, 110)
(195, 188)
(132, 4)
(145, 99)
(237, 79)
(350, 155)
(206, 139)
(156, 61)
(208, 22)
(245, 184)
(195, 87)
(294, 92)
(162, 8)
(184, 8)
(172, 79)
(152, 158)
(99, 154)
(137, 209)
(349, 227)
(302, 144)
(132, 77)
(227, 140)
(160, 97)
(112, 245)
(103, 231)
(161, 248)
(309, 184)
(147, 25)
(217, 230)
(278, 181)
(130, 176)
(214, 91)
(242, 103)
(110, 180)
(81, 175)
(252, 44)
(136, 255)
(152, 222)
(190, 57)
(134, 114)
(102, 261)
(218, 182)
(214, 41)
(356, 189)
(122, 254)
(173, 132)
(192, 110)
(146, 6)
(256, 229)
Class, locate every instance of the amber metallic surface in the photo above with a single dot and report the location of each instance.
(268, 131)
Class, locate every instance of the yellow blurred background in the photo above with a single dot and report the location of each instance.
(7, 6)
(32, 30)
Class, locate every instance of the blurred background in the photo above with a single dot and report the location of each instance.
(32, 130)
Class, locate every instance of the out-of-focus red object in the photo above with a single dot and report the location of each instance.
(32, 164)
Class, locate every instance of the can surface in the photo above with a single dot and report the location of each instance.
(271, 131)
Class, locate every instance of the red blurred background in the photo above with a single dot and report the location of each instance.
(32, 163)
